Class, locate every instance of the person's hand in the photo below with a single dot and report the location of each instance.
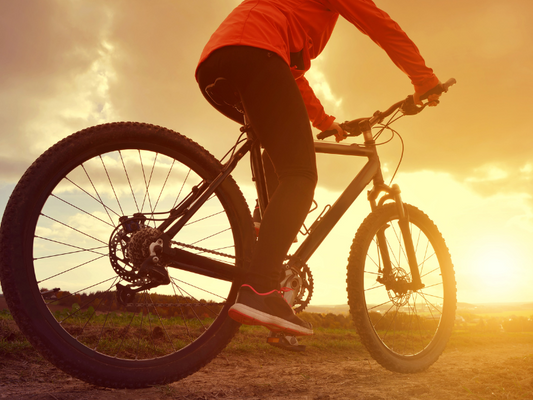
(340, 135)
(433, 99)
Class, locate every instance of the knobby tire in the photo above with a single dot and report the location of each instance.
(56, 232)
(405, 331)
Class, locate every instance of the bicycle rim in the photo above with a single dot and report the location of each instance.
(77, 254)
(405, 330)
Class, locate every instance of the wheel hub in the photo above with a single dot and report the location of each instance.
(129, 247)
(398, 288)
(139, 245)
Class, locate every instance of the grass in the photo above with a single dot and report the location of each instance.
(253, 338)
(508, 379)
(12, 342)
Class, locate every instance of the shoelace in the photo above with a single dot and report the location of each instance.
(282, 292)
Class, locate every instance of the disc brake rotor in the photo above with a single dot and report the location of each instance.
(128, 250)
(399, 294)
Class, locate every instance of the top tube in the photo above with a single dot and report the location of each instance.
(352, 149)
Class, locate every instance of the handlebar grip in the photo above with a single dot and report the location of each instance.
(439, 89)
(325, 134)
(448, 83)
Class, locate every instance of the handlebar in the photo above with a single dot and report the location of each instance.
(439, 89)
(407, 106)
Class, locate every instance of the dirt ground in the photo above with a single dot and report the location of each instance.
(472, 367)
(498, 372)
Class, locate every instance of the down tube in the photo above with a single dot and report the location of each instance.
(335, 213)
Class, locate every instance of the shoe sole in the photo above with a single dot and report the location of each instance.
(250, 316)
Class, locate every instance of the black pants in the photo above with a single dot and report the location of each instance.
(276, 111)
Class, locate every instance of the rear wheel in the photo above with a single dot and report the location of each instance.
(64, 253)
(404, 330)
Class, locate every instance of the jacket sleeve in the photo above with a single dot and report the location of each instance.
(315, 110)
(387, 34)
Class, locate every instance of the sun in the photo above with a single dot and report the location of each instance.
(495, 267)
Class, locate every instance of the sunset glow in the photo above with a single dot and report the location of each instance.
(468, 163)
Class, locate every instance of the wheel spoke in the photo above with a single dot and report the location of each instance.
(76, 241)
(404, 322)
(75, 222)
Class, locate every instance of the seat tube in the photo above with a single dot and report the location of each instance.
(258, 171)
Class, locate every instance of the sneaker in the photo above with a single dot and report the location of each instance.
(269, 310)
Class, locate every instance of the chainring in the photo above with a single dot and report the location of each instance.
(301, 281)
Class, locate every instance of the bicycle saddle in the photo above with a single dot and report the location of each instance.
(222, 92)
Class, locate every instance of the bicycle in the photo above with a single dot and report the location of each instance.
(111, 213)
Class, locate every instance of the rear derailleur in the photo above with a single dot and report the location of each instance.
(153, 275)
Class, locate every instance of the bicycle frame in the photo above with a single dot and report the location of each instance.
(371, 172)
(321, 228)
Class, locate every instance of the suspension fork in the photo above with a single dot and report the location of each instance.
(383, 250)
(393, 193)
(403, 221)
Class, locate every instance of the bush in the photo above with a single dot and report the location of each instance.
(329, 320)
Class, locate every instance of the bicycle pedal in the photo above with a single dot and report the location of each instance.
(284, 342)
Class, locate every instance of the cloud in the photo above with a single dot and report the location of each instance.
(50, 53)
(68, 65)
(156, 49)
(484, 119)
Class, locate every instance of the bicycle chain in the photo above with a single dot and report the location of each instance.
(305, 273)
(190, 246)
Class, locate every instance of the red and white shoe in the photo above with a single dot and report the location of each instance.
(270, 310)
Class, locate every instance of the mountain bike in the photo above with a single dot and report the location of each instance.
(123, 246)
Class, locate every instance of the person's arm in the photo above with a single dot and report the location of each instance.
(315, 110)
(387, 34)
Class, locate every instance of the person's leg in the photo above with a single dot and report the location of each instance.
(276, 110)
(277, 113)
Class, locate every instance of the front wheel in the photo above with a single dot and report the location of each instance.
(69, 247)
(404, 329)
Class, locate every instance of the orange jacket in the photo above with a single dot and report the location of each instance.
(298, 30)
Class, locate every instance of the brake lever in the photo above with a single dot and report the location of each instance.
(410, 108)
(353, 127)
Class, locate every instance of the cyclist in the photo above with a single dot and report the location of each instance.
(263, 48)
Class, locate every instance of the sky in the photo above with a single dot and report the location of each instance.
(468, 163)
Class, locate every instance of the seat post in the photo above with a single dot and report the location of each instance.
(256, 163)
